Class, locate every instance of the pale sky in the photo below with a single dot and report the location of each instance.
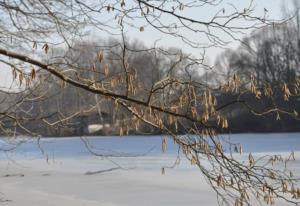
(149, 35)
(274, 13)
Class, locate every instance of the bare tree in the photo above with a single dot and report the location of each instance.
(39, 42)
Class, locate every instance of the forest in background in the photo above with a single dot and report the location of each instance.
(269, 56)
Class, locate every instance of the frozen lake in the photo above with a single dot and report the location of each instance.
(54, 174)
(137, 145)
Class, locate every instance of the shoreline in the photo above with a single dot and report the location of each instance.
(145, 136)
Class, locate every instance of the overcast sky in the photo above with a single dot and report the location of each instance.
(274, 8)
(149, 36)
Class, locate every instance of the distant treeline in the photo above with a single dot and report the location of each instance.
(271, 56)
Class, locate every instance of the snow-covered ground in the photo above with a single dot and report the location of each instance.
(56, 174)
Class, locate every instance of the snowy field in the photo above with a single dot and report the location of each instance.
(54, 172)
